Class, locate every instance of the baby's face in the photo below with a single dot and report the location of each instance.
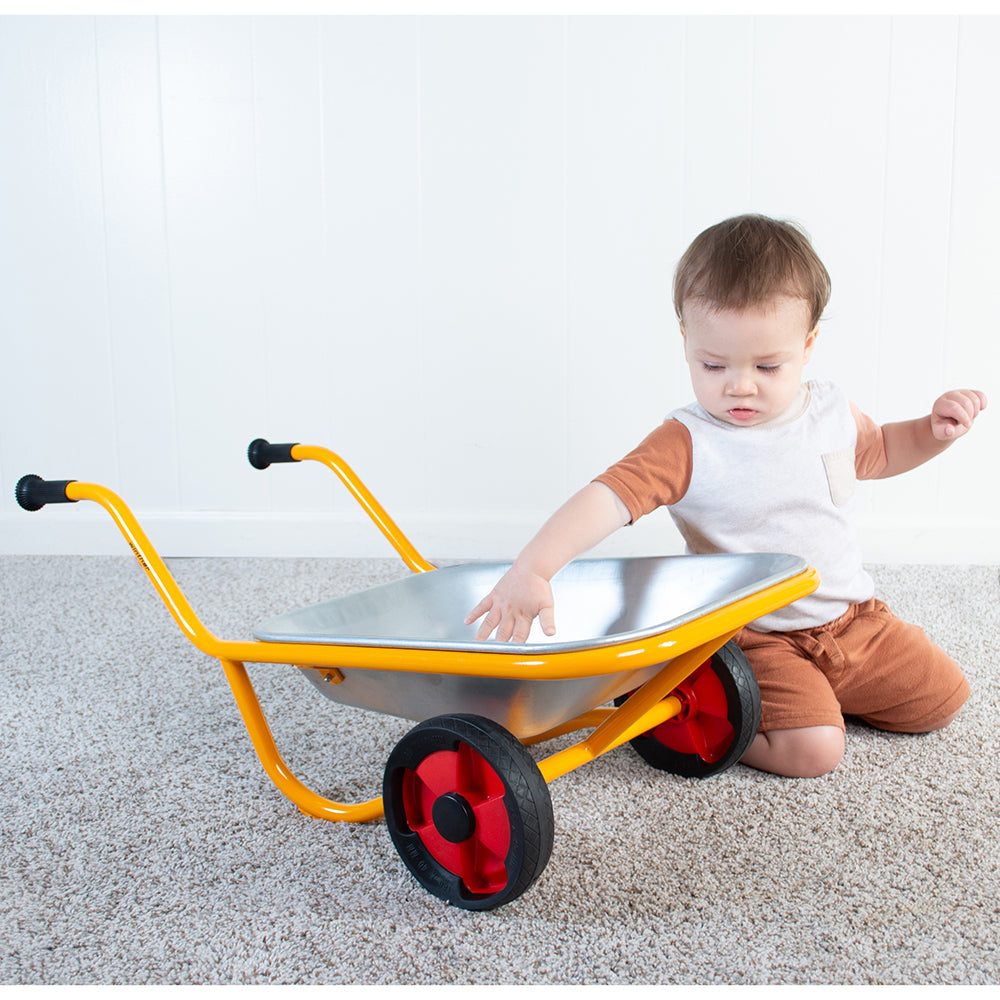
(746, 366)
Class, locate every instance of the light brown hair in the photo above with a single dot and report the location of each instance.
(748, 261)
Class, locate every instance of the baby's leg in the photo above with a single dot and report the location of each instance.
(901, 681)
(867, 663)
(932, 727)
(807, 752)
(802, 728)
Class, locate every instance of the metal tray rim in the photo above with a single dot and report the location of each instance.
(790, 567)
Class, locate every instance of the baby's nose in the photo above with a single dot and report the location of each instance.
(742, 385)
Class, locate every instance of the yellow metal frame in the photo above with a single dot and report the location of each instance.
(685, 648)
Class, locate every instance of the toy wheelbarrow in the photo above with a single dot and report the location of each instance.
(467, 807)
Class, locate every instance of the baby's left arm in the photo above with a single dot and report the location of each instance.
(913, 442)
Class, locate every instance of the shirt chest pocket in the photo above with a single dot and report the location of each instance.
(840, 476)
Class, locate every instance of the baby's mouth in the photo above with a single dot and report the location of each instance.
(742, 413)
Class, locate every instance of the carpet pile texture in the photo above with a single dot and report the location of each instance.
(142, 842)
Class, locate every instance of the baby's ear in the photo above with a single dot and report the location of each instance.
(811, 341)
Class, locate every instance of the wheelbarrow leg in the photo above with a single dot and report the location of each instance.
(307, 800)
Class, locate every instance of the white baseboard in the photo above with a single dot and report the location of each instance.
(943, 542)
(78, 530)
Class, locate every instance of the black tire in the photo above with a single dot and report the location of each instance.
(468, 811)
(717, 724)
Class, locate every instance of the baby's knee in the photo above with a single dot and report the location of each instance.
(797, 753)
(820, 751)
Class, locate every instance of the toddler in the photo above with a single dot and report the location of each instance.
(764, 462)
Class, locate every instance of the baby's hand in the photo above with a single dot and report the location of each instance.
(953, 413)
(513, 604)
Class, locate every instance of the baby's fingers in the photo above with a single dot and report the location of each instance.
(953, 419)
(505, 628)
(955, 411)
(480, 609)
(490, 622)
(978, 400)
(965, 403)
(547, 619)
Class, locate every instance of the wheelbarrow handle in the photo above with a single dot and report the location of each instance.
(33, 492)
(262, 453)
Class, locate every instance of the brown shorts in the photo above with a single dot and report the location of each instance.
(867, 663)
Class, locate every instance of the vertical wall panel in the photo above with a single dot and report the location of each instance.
(819, 139)
(376, 363)
(625, 197)
(492, 280)
(138, 267)
(298, 352)
(56, 392)
(971, 483)
(914, 290)
(213, 232)
(718, 120)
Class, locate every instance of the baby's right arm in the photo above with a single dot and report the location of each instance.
(524, 593)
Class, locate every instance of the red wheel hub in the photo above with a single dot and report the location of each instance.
(702, 726)
(453, 801)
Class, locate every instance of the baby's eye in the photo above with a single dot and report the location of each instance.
(710, 367)
(769, 369)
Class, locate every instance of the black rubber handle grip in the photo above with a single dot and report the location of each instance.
(33, 492)
(262, 453)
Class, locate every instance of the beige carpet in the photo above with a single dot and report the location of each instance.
(142, 842)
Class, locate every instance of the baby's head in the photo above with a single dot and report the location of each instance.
(749, 293)
(748, 262)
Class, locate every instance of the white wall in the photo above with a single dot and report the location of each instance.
(443, 247)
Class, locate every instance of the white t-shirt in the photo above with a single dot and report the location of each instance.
(786, 486)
